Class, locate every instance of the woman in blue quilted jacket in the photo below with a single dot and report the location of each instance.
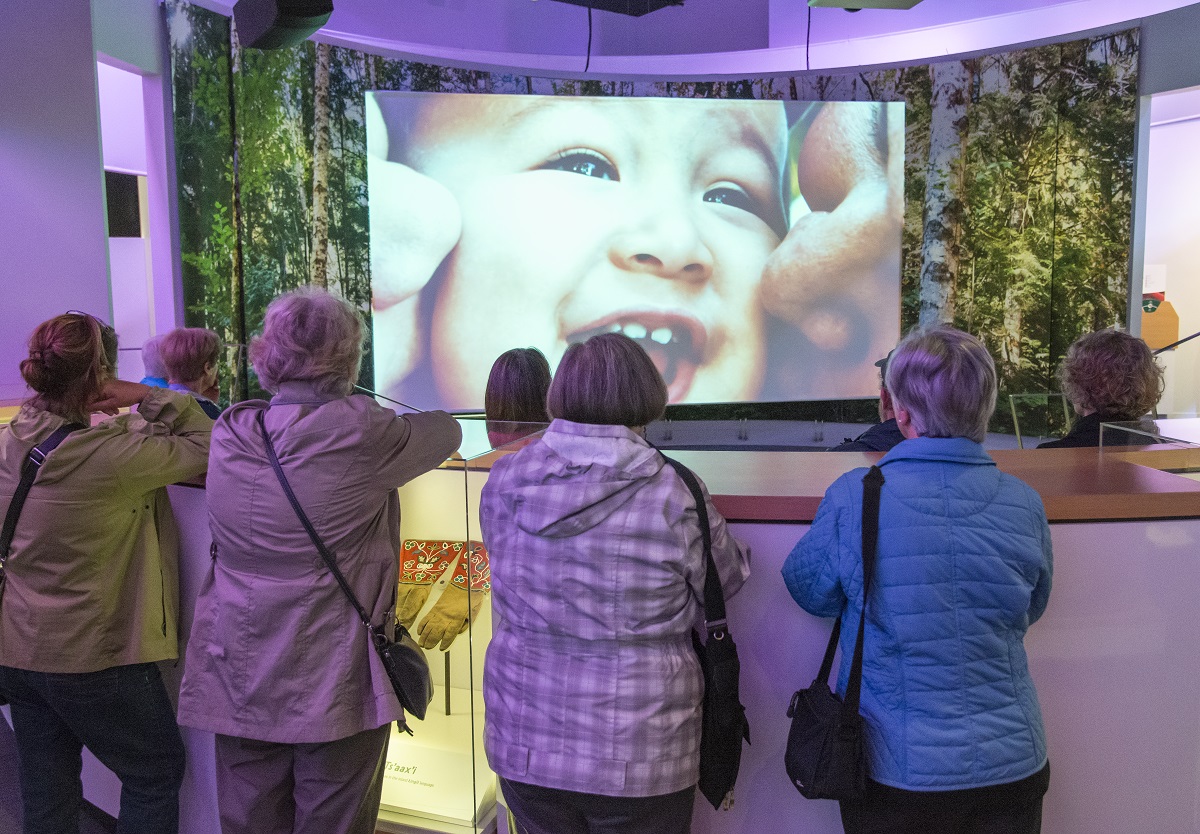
(955, 741)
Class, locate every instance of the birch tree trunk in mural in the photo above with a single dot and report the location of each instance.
(319, 259)
(239, 385)
(940, 246)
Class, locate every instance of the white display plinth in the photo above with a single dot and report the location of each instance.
(432, 776)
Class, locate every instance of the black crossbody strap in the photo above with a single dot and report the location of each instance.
(872, 487)
(312, 533)
(29, 470)
(714, 599)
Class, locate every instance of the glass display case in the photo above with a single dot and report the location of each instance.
(438, 779)
(1175, 443)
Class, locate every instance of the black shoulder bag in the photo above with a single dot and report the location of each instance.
(723, 723)
(406, 665)
(29, 471)
(826, 746)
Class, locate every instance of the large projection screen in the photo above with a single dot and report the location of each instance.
(752, 247)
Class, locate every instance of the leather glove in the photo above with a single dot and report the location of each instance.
(421, 563)
(410, 601)
(449, 617)
(458, 605)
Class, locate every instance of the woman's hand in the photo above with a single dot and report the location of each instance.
(117, 394)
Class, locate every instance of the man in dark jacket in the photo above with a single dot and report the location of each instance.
(884, 435)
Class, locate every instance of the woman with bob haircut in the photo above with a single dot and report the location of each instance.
(190, 355)
(954, 732)
(591, 684)
(279, 665)
(515, 398)
(1109, 377)
(90, 584)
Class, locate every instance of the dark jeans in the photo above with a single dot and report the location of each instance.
(122, 715)
(540, 810)
(1012, 808)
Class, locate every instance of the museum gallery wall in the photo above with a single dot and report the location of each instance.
(1018, 176)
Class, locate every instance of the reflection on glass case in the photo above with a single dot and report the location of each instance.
(438, 778)
(1175, 443)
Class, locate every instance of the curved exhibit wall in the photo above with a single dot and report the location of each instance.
(1017, 184)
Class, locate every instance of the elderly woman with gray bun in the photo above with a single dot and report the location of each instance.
(279, 665)
(954, 732)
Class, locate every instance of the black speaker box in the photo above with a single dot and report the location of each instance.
(635, 8)
(272, 24)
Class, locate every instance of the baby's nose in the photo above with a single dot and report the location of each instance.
(665, 243)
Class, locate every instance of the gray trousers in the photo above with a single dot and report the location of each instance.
(334, 787)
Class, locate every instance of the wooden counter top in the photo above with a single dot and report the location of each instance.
(1075, 484)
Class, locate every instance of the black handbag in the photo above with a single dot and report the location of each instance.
(723, 722)
(826, 747)
(403, 660)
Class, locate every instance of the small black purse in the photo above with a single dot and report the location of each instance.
(826, 747)
(723, 721)
(408, 670)
(403, 660)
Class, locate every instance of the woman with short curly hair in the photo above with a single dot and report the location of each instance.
(1109, 377)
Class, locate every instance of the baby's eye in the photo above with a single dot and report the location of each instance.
(732, 196)
(589, 163)
(737, 197)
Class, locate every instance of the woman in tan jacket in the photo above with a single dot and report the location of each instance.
(89, 596)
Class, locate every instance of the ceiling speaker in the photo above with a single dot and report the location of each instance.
(272, 24)
(855, 5)
(635, 8)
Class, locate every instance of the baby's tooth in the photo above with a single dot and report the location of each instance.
(662, 335)
(635, 331)
(615, 327)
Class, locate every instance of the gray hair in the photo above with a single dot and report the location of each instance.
(152, 359)
(186, 352)
(608, 380)
(312, 335)
(946, 380)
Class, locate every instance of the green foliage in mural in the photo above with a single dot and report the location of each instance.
(1017, 203)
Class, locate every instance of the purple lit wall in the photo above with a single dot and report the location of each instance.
(52, 218)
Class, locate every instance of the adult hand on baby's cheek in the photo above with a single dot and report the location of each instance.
(831, 271)
(415, 222)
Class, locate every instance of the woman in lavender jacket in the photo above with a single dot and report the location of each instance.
(591, 685)
(278, 663)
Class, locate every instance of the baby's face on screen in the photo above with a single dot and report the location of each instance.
(647, 216)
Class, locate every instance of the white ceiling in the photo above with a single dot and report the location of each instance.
(706, 37)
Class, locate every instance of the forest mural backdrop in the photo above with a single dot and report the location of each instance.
(1018, 181)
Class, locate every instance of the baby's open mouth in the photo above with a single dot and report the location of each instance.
(674, 343)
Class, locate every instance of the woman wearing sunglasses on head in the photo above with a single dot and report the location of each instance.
(89, 595)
